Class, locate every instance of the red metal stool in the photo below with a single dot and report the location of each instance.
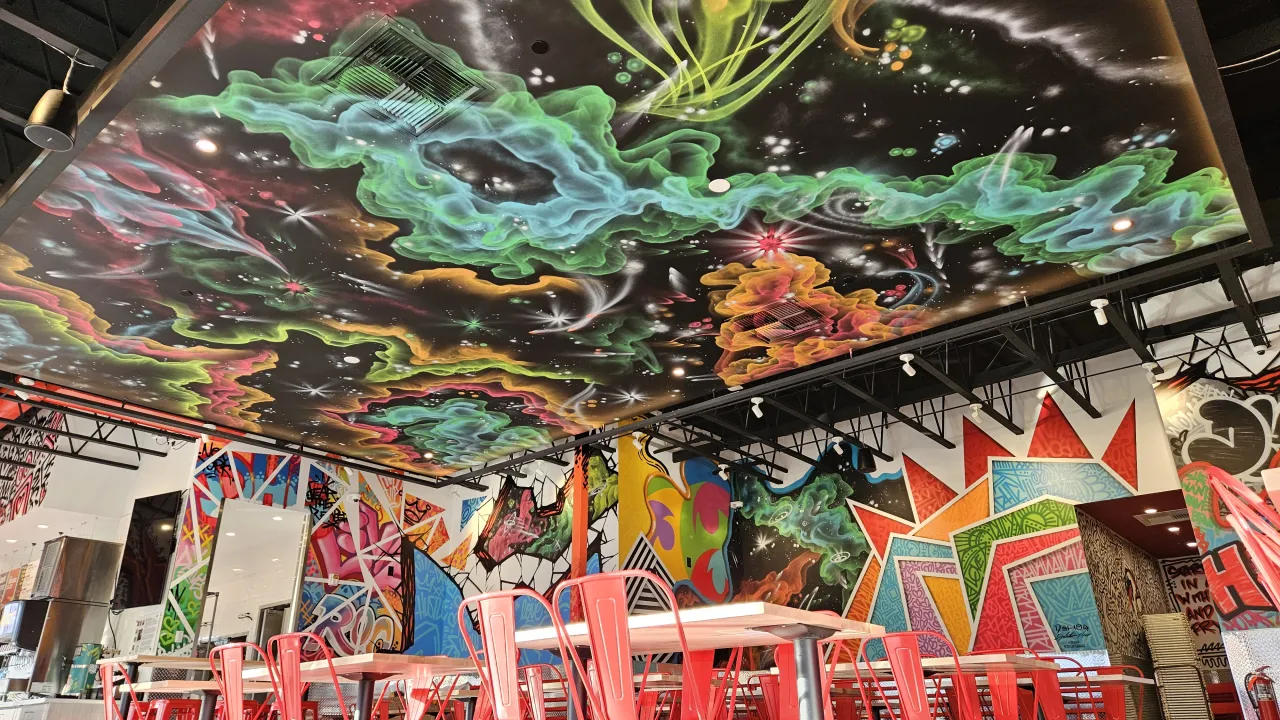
(174, 709)
(250, 709)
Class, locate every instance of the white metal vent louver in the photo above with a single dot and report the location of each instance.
(1168, 517)
(781, 321)
(402, 78)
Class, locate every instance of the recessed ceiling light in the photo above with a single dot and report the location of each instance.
(351, 359)
(43, 527)
(1151, 511)
(1174, 529)
(678, 372)
(166, 527)
(1191, 544)
(11, 540)
(231, 534)
(1122, 224)
(718, 185)
(275, 559)
(276, 517)
(205, 145)
(236, 570)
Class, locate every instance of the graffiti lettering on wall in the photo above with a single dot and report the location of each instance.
(1219, 410)
(995, 563)
(24, 488)
(1188, 591)
(388, 562)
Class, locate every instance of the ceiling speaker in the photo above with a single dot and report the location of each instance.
(52, 124)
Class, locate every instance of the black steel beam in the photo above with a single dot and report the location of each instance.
(69, 454)
(1229, 276)
(18, 463)
(826, 427)
(98, 418)
(129, 74)
(85, 438)
(1045, 366)
(50, 38)
(1115, 318)
(213, 431)
(13, 118)
(743, 432)
(967, 394)
(705, 455)
(716, 445)
(1197, 52)
(891, 411)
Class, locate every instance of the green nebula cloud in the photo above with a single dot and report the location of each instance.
(1116, 215)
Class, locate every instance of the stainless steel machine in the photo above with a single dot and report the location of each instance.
(69, 606)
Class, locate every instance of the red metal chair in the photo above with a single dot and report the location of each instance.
(500, 682)
(111, 711)
(913, 697)
(226, 663)
(610, 690)
(1257, 524)
(1105, 701)
(1051, 699)
(284, 664)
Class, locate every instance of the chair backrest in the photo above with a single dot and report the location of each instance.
(1257, 524)
(226, 663)
(499, 669)
(284, 662)
(107, 674)
(603, 598)
(902, 650)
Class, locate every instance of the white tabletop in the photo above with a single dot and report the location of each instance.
(708, 627)
(171, 662)
(968, 663)
(178, 686)
(379, 665)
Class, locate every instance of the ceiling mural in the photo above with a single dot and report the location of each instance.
(432, 233)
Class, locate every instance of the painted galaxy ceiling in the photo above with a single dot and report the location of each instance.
(617, 206)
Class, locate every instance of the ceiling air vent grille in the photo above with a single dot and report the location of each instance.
(781, 321)
(1167, 517)
(403, 78)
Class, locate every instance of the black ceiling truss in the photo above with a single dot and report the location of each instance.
(717, 445)
(825, 427)
(974, 359)
(888, 409)
(1117, 317)
(1229, 276)
(1045, 364)
(672, 441)
(962, 390)
(761, 440)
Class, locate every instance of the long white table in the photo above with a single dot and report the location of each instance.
(370, 667)
(715, 627)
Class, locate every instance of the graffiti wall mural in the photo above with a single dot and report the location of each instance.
(1221, 403)
(1127, 584)
(984, 547)
(1188, 592)
(21, 488)
(388, 562)
(223, 471)
(593, 217)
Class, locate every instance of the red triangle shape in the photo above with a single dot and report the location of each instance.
(877, 527)
(927, 491)
(1054, 437)
(1122, 454)
(978, 447)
